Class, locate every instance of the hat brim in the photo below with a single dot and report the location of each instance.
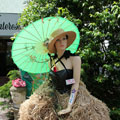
(71, 38)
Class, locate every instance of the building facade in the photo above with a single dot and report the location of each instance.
(10, 11)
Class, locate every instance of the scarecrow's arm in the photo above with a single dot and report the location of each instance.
(76, 61)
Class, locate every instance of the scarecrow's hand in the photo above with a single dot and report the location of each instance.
(64, 111)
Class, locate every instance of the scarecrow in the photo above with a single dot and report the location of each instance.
(49, 45)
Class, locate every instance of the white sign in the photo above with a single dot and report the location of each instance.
(8, 24)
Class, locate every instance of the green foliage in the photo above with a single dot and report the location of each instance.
(13, 74)
(5, 89)
(2, 103)
(99, 24)
(35, 10)
(115, 114)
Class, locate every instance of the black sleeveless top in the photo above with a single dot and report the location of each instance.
(59, 80)
(59, 77)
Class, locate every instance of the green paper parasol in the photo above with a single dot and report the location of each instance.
(28, 50)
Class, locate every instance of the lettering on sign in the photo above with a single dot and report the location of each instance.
(9, 26)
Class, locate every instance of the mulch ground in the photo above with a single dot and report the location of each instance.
(3, 112)
(3, 109)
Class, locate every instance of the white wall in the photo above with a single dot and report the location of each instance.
(12, 6)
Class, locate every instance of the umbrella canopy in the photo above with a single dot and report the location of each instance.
(28, 50)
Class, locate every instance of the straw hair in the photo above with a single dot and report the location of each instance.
(86, 106)
(56, 35)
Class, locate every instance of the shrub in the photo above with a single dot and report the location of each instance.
(5, 89)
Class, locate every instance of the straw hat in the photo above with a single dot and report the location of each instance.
(56, 35)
